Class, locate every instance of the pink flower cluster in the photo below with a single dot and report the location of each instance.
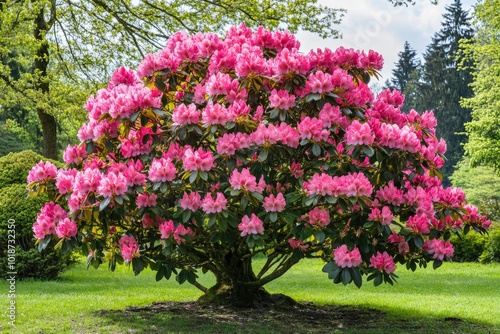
(274, 203)
(245, 181)
(54, 219)
(383, 261)
(42, 171)
(346, 258)
(439, 249)
(168, 229)
(251, 225)
(129, 247)
(350, 185)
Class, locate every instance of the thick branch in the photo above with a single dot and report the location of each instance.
(275, 274)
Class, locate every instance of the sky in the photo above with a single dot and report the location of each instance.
(376, 25)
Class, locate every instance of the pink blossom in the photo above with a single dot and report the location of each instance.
(180, 232)
(356, 185)
(112, 185)
(274, 203)
(319, 217)
(167, 229)
(419, 224)
(320, 82)
(390, 194)
(453, 197)
(251, 225)
(87, 181)
(162, 170)
(43, 226)
(312, 128)
(229, 143)
(125, 76)
(359, 134)
(129, 248)
(331, 115)
(216, 114)
(218, 84)
(296, 170)
(190, 201)
(297, 243)
(65, 180)
(281, 100)
(183, 114)
(344, 258)
(146, 201)
(211, 205)
(66, 229)
(384, 217)
(250, 61)
(245, 181)
(74, 154)
(288, 61)
(439, 249)
(403, 246)
(198, 160)
(383, 261)
(42, 171)
(76, 201)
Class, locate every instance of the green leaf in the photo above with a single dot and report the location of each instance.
(137, 265)
(330, 266)
(186, 215)
(346, 276)
(104, 203)
(320, 236)
(436, 264)
(273, 217)
(193, 177)
(316, 149)
(204, 175)
(378, 280)
(263, 154)
(356, 277)
(369, 151)
(418, 241)
(119, 200)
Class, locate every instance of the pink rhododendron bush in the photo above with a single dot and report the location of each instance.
(217, 149)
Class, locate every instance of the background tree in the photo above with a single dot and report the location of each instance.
(481, 185)
(443, 84)
(483, 131)
(406, 75)
(405, 66)
(70, 46)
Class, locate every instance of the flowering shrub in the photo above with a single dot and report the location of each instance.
(217, 149)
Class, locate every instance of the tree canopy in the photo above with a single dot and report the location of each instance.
(483, 130)
(218, 149)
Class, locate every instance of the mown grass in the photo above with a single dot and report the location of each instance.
(93, 301)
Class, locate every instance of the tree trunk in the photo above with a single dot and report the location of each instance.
(236, 287)
(41, 63)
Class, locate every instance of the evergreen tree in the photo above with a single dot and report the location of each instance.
(405, 66)
(444, 84)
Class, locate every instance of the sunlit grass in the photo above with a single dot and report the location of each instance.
(467, 291)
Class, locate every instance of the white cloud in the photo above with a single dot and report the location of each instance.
(376, 25)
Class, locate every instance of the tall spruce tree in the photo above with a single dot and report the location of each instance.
(406, 74)
(443, 84)
(405, 66)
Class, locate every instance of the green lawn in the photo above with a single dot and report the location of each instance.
(469, 294)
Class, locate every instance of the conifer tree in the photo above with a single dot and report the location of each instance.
(443, 84)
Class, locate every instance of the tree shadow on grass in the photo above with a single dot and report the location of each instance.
(190, 317)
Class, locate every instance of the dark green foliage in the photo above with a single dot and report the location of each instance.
(443, 84)
(14, 167)
(475, 247)
(9, 142)
(405, 69)
(492, 251)
(33, 264)
(15, 206)
(470, 247)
